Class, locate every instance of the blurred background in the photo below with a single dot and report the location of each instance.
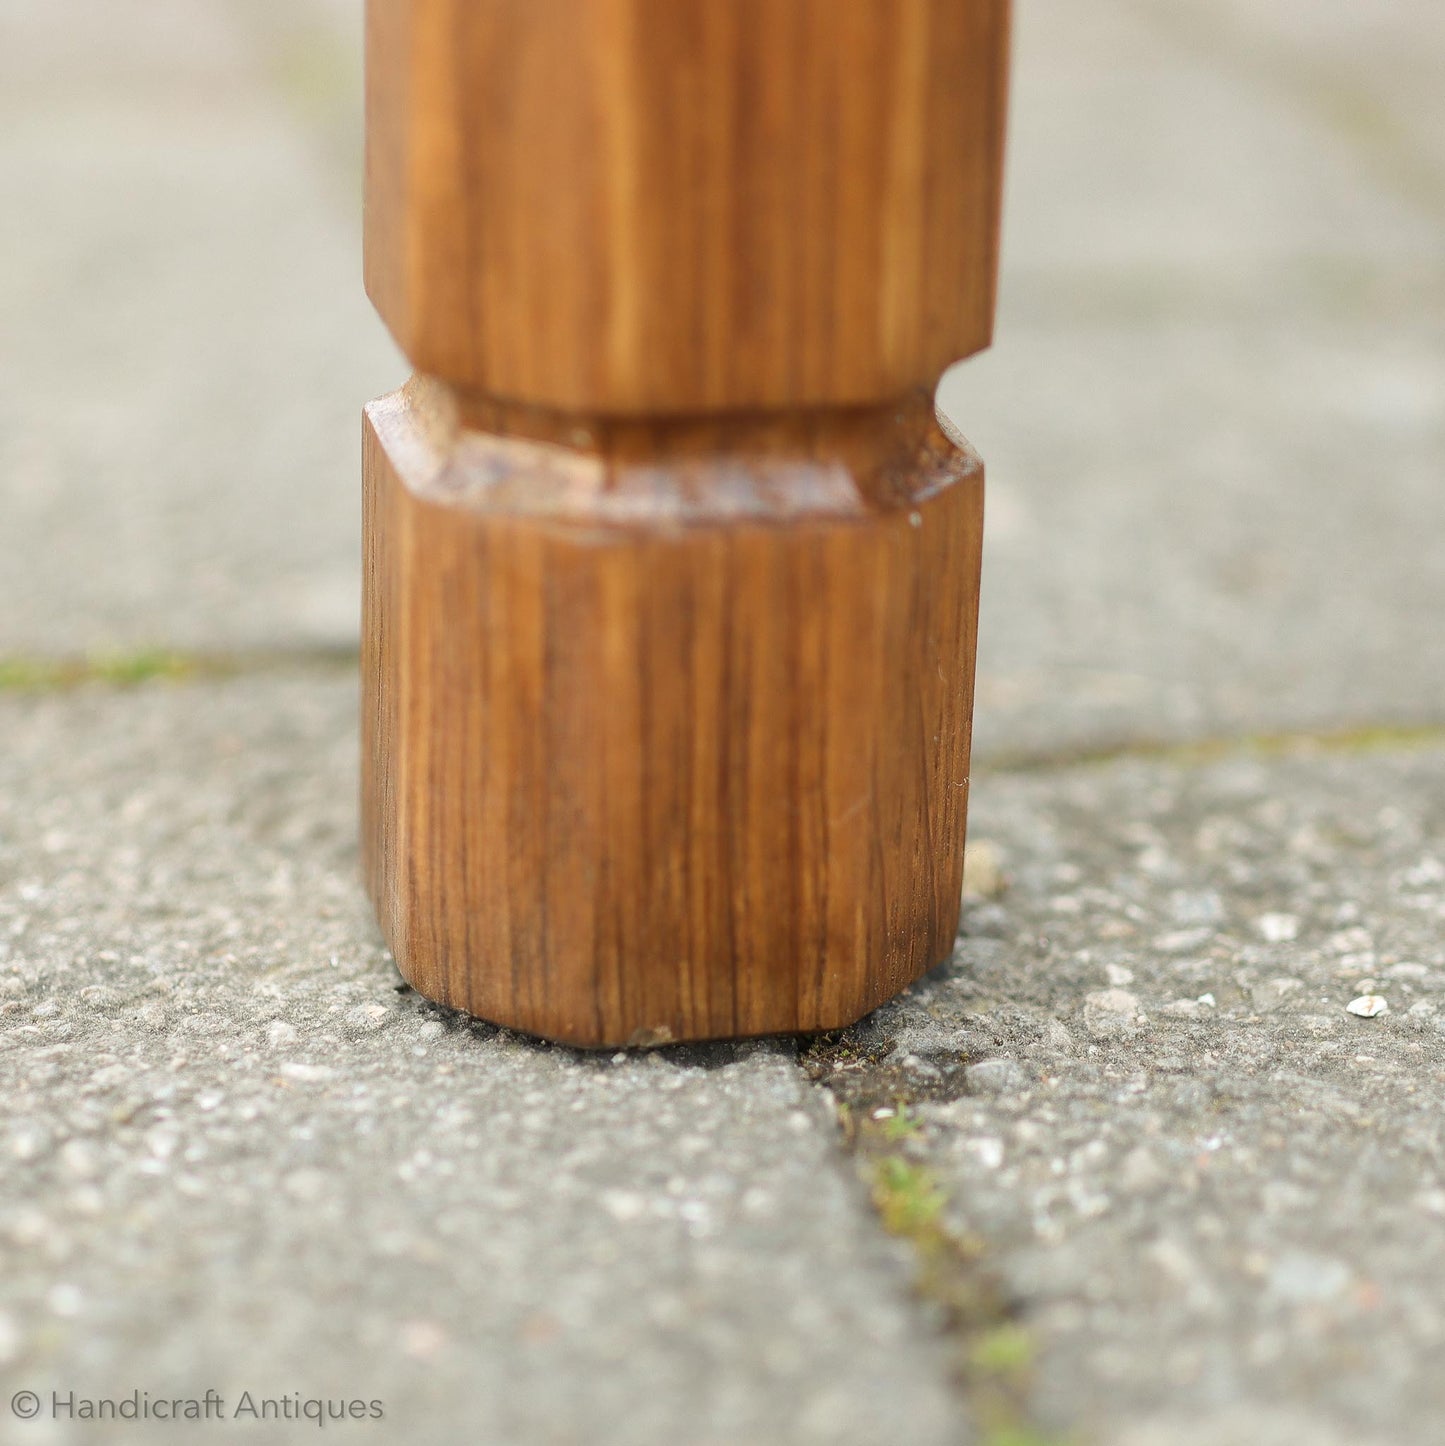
(1214, 417)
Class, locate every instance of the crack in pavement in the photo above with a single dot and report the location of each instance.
(991, 1350)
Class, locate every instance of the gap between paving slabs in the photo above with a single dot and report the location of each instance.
(873, 1093)
(26, 673)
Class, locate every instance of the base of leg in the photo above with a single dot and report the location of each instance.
(666, 728)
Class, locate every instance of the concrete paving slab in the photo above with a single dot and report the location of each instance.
(186, 344)
(237, 1156)
(1368, 72)
(1216, 401)
(1208, 525)
(1181, 1090)
(1145, 136)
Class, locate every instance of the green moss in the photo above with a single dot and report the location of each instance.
(1369, 738)
(128, 669)
(903, 1124)
(22, 674)
(37, 675)
(994, 1352)
(1014, 1434)
(1005, 1350)
(998, 1373)
(906, 1197)
(18, 673)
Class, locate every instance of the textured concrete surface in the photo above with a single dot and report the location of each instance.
(1213, 1196)
(1126, 1172)
(186, 344)
(1214, 414)
(235, 1154)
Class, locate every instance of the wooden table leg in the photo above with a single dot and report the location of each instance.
(671, 575)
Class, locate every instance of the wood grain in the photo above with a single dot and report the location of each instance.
(671, 576)
(640, 206)
(662, 752)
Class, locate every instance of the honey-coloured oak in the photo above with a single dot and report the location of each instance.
(671, 571)
(667, 731)
(681, 206)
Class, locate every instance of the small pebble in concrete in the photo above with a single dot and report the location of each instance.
(996, 1077)
(983, 875)
(1368, 1006)
(1277, 928)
